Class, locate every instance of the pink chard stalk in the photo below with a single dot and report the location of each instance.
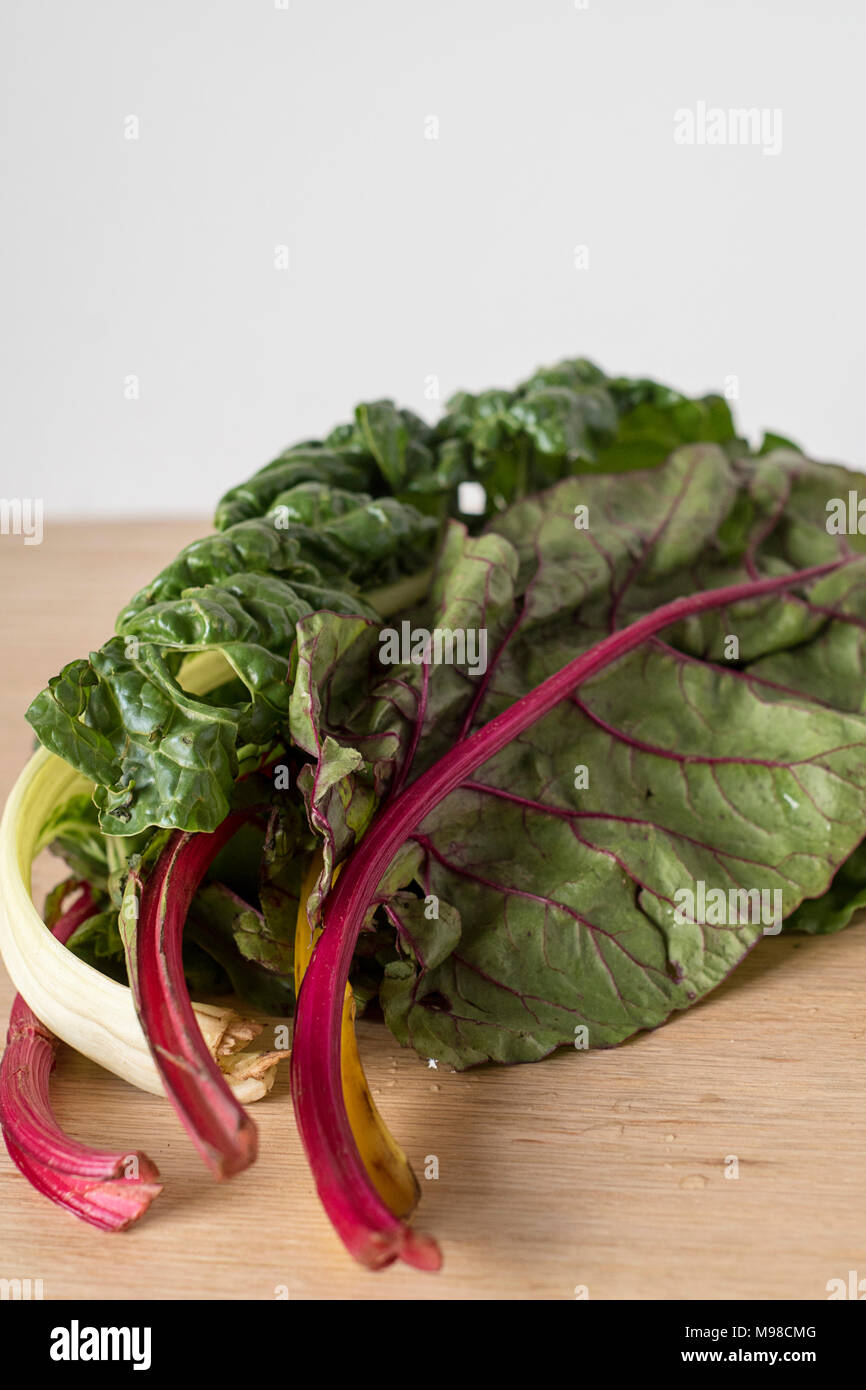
(371, 1233)
(108, 1190)
(216, 1122)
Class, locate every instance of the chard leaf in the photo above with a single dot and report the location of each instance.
(314, 530)
(221, 923)
(656, 420)
(397, 440)
(561, 422)
(157, 755)
(341, 683)
(250, 619)
(270, 940)
(570, 418)
(830, 913)
(72, 832)
(98, 942)
(301, 464)
(565, 856)
(313, 535)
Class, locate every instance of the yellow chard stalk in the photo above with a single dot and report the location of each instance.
(384, 1160)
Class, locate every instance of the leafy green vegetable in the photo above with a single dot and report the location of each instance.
(72, 833)
(317, 529)
(97, 941)
(313, 536)
(278, 593)
(556, 901)
(267, 936)
(663, 705)
(219, 922)
(832, 912)
(571, 419)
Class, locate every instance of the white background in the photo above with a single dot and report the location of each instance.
(409, 257)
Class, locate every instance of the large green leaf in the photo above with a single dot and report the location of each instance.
(556, 867)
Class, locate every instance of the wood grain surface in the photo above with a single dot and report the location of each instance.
(605, 1170)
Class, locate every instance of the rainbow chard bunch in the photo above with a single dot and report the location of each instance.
(511, 765)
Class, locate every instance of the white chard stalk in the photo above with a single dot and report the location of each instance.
(79, 1004)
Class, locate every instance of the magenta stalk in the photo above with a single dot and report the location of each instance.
(108, 1190)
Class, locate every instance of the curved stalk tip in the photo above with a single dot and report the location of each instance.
(108, 1190)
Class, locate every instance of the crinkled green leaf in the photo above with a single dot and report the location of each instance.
(157, 755)
(301, 464)
(398, 441)
(313, 531)
(313, 536)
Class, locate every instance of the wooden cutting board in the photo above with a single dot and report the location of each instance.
(604, 1171)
